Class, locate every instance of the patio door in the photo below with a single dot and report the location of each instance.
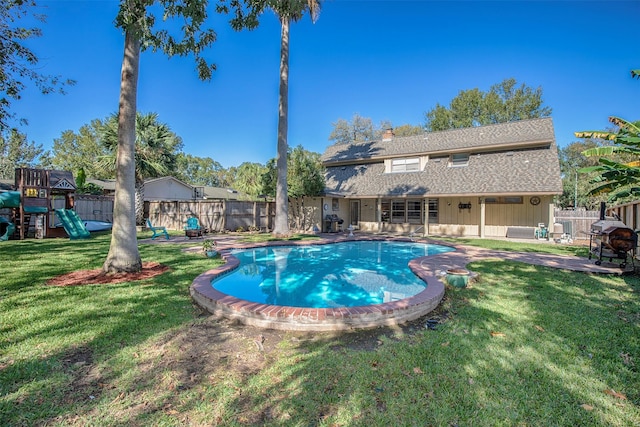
(354, 213)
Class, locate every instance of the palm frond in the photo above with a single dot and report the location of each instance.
(628, 126)
(596, 134)
(589, 169)
(635, 73)
(601, 151)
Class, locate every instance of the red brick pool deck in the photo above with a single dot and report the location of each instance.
(429, 269)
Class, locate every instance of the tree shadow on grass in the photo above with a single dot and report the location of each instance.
(526, 345)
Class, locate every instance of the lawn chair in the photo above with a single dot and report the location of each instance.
(193, 229)
(157, 231)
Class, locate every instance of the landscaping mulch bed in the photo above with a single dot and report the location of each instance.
(99, 277)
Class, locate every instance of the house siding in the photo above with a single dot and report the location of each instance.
(518, 159)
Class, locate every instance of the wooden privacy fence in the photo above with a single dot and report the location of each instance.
(90, 207)
(578, 220)
(215, 215)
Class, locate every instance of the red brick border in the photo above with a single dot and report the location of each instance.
(317, 319)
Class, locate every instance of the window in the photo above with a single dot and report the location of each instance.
(513, 200)
(397, 211)
(405, 165)
(408, 211)
(414, 211)
(433, 211)
(507, 200)
(385, 211)
(459, 159)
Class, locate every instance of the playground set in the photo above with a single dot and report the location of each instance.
(36, 190)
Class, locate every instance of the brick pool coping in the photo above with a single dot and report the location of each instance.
(317, 319)
(428, 268)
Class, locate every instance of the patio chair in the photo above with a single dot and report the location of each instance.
(157, 231)
(193, 229)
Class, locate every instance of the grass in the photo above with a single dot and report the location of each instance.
(526, 345)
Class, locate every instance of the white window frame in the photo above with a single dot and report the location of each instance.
(407, 164)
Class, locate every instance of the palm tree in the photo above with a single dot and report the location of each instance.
(620, 179)
(155, 152)
(287, 11)
(249, 179)
(139, 33)
(124, 255)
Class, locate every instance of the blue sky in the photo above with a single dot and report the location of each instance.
(387, 60)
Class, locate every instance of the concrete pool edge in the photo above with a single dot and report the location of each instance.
(317, 319)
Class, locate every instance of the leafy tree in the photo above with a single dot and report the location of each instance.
(505, 102)
(249, 179)
(287, 11)
(576, 188)
(306, 180)
(17, 152)
(362, 129)
(156, 150)
(619, 179)
(79, 151)
(306, 174)
(18, 63)
(136, 18)
(359, 129)
(84, 187)
(227, 177)
(198, 170)
(408, 130)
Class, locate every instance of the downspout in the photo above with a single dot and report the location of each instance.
(483, 217)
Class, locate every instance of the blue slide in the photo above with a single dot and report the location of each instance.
(72, 224)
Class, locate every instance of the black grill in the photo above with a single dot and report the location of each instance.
(612, 239)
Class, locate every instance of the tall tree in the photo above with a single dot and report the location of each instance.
(18, 63)
(575, 192)
(79, 151)
(287, 11)
(408, 130)
(619, 179)
(136, 18)
(17, 152)
(305, 179)
(155, 152)
(249, 179)
(359, 129)
(198, 170)
(504, 102)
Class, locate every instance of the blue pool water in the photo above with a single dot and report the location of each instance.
(346, 274)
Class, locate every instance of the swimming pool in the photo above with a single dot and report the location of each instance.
(346, 274)
(425, 261)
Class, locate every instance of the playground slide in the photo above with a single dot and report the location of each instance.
(72, 224)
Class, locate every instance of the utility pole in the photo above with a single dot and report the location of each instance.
(575, 193)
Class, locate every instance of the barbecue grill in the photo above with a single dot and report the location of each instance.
(610, 238)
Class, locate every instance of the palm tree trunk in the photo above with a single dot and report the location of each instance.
(123, 253)
(139, 201)
(281, 226)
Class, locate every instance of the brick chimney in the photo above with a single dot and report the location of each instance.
(388, 134)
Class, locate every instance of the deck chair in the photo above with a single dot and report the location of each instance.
(193, 229)
(157, 231)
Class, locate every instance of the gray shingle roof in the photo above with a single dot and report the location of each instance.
(514, 134)
(512, 158)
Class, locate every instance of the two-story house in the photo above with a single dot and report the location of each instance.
(476, 181)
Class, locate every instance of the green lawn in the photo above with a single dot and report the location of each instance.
(525, 346)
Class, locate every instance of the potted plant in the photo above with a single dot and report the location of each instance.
(209, 248)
